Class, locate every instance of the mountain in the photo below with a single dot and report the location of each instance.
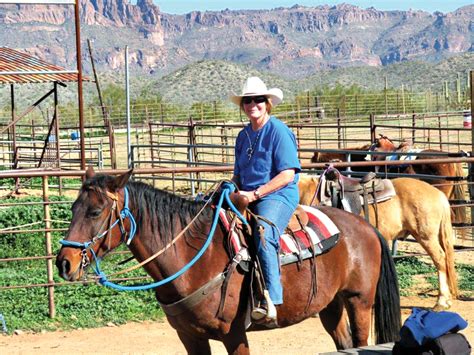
(289, 42)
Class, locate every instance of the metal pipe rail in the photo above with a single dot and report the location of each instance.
(217, 169)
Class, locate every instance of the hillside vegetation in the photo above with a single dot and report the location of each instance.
(206, 81)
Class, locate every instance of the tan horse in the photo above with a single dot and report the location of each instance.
(420, 210)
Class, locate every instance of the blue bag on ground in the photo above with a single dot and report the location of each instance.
(422, 326)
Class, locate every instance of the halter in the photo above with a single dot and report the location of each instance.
(227, 188)
(125, 213)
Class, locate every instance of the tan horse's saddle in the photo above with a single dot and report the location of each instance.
(353, 194)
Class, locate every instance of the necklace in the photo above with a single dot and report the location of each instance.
(251, 149)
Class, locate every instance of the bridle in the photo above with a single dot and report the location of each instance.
(119, 219)
(226, 188)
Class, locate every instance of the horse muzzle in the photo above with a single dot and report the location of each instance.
(69, 264)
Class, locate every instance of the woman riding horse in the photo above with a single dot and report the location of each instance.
(166, 232)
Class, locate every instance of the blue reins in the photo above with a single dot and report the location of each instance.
(226, 189)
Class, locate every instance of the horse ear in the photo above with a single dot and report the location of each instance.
(121, 180)
(90, 172)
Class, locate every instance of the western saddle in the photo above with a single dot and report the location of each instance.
(353, 194)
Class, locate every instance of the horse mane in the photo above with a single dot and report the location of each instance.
(405, 146)
(157, 209)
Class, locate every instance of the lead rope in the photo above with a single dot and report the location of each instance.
(227, 188)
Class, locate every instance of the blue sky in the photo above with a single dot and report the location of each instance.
(185, 6)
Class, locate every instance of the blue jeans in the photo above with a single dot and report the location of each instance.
(278, 213)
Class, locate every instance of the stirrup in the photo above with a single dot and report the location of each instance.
(258, 313)
(260, 316)
(266, 314)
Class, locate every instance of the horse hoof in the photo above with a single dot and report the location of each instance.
(439, 307)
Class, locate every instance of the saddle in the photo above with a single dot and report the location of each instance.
(239, 201)
(353, 194)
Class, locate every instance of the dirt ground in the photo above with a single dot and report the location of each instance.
(307, 337)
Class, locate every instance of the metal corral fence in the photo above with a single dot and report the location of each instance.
(195, 143)
(37, 146)
(35, 141)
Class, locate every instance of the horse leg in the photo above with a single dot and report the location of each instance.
(438, 256)
(236, 341)
(334, 321)
(194, 345)
(359, 310)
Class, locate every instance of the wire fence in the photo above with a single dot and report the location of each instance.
(301, 108)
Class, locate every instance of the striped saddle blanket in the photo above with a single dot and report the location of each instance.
(318, 236)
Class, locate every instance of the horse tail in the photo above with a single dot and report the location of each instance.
(387, 320)
(446, 241)
(459, 213)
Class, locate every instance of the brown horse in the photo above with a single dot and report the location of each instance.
(358, 155)
(356, 276)
(454, 190)
(420, 210)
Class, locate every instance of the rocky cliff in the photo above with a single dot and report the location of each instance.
(294, 41)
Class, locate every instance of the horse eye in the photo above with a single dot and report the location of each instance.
(94, 213)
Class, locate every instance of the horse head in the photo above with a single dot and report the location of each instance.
(405, 146)
(97, 226)
(382, 144)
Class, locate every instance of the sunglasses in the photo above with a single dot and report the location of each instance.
(247, 100)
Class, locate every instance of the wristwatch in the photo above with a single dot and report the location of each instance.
(256, 193)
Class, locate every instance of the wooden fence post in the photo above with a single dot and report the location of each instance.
(48, 247)
(403, 99)
(440, 133)
(298, 111)
(458, 89)
(372, 128)
(308, 106)
(339, 136)
(162, 113)
(471, 166)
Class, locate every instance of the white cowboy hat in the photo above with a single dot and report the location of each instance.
(254, 86)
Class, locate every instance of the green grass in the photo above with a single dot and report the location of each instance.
(407, 268)
(466, 277)
(77, 305)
